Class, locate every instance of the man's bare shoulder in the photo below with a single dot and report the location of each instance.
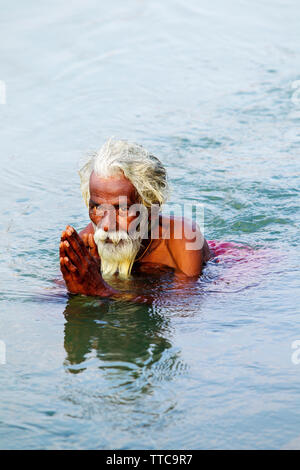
(180, 229)
(88, 229)
(186, 243)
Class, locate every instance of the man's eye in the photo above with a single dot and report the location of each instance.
(98, 208)
(123, 209)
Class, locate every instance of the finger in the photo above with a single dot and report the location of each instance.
(85, 239)
(81, 253)
(72, 237)
(70, 266)
(73, 271)
(71, 254)
(61, 250)
(67, 275)
(87, 243)
(93, 246)
(68, 232)
(63, 235)
(91, 241)
(69, 229)
(63, 267)
(76, 237)
(77, 244)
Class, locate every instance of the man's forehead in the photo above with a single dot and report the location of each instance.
(112, 186)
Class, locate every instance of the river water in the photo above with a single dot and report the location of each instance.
(211, 88)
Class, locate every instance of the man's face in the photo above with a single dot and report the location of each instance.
(119, 225)
(105, 209)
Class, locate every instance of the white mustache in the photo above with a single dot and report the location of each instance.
(115, 256)
(116, 236)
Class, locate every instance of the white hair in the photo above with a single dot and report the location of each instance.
(142, 169)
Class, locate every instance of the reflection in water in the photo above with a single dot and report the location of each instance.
(129, 343)
(230, 142)
(119, 362)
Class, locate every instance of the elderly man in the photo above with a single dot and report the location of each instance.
(124, 187)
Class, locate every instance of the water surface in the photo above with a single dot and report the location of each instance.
(208, 88)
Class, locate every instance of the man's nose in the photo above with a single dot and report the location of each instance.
(108, 222)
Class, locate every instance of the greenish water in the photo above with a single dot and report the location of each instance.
(211, 89)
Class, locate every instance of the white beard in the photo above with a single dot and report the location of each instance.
(118, 256)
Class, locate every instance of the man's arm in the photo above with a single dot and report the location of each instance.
(189, 251)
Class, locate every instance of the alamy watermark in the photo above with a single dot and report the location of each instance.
(2, 352)
(2, 92)
(295, 358)
(295, 98)
(178, 222)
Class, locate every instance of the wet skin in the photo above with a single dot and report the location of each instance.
(79, 259)
(79, 267)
